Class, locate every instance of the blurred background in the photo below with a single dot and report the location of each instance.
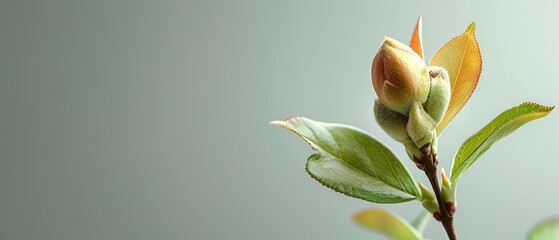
(149, 119)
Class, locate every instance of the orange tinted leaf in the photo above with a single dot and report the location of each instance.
(462, 59)
(416, 42)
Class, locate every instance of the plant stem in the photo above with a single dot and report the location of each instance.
(431, 172)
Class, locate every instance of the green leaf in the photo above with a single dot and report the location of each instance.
(353, 163)
(503, 125)
(547, 230)
(387, 223)
(421, 221)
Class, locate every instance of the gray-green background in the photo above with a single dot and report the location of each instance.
(148, 119)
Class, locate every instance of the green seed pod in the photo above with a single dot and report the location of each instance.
(391, 122)
(439, 95)
(420, 127)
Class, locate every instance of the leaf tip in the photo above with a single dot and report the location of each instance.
(416, 42)
(471, 28)
(281, 123)
(443, 173)
(362, 216)
(547, 108)
(358, 215)
(286, 122)
(543, 108)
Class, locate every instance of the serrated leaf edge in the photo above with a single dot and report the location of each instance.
(542, 110)
(470, 30)
(282, 124)
(317, 155)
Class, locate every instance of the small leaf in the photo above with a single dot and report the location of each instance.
(416, 42)
(421, 221)
(353, 163)
(387, 223)
(462, 60)
(547, 230)
(503, 125)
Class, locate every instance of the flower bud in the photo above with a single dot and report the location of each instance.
(421, 127)
(391, 122)
(439, 95)
(400, 76)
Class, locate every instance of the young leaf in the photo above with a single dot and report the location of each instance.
(462, 60)
(503, 125)
(353, 163)
(416, 42)
(387, 223)
(547, 230)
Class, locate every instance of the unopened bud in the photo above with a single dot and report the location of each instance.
(439, 95)
(395, 125)
(437, 216)
(448, 191)
(421, 127)
(451, 207)
(449, 194)
(428, 199)
(391, 122)
(400, 76)
(413, 153)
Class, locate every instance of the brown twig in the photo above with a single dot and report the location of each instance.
(446, 218)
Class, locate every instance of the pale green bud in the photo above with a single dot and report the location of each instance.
(434, 143)
(391, 122)
(400, 76)
(428, 199)
(448, 192)
(420, 127)
(395, 125)
(414, 153)
(439, 95)
(411, 149)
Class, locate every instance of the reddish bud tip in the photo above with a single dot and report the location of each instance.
(426, 149)
(451, 207)
(437, 216)
(419, 163)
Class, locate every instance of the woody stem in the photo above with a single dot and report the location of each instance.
(431, 171)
